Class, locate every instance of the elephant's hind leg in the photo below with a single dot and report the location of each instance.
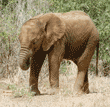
(81, 84)
(86, 83)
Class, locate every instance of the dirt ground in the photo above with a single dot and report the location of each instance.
(99, 95)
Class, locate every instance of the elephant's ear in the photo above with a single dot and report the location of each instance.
(54, 28)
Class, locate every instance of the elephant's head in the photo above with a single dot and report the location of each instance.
(41, 31)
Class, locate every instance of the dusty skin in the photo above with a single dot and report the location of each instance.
(72, 36)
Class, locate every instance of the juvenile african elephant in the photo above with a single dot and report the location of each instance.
(70, 35)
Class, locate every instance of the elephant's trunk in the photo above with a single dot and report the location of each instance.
(24, 58)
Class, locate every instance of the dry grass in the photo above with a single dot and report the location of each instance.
(13, 15)
(99, 95)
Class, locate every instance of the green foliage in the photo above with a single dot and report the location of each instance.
(13, 14)
(19, 92)
(12, 87)
(99, 11)
(63, 68)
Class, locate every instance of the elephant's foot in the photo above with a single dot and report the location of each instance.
(54, 87)
(86, 91)
(80, 91)
(35, 91)
(54, 83)
(86, 88)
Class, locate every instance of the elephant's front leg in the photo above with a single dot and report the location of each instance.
(54, 65)
(36, 64)
(55, 59)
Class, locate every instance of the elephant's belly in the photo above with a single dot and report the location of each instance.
(73, 53)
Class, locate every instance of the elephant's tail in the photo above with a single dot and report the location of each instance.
(97, 54)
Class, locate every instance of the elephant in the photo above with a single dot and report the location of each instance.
(71, 36)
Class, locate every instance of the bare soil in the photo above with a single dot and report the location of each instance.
(99, 95)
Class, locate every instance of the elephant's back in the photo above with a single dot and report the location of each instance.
(75, 15)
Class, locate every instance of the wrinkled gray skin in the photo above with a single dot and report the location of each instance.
(70, 35)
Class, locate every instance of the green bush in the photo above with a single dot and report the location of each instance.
(99, 11)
